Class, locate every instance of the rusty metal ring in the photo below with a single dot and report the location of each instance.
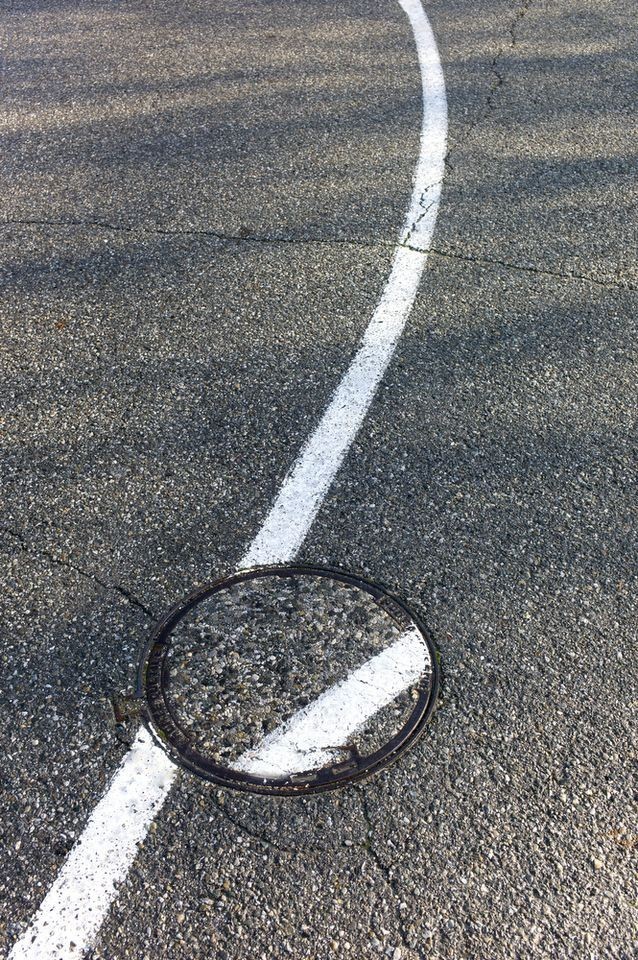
(165, 727)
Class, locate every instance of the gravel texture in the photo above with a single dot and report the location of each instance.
(243, 661)
(200, 203)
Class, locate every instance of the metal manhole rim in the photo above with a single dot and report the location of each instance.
(167, 733)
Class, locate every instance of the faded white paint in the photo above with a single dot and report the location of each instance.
(308, 740)
(76, 904)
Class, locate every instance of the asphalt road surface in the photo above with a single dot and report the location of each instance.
(201, 203)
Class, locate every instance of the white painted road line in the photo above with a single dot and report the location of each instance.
(73, 910)
(307, 483)
(75, 906)
(308, 740)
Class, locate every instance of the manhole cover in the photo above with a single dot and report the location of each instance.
(288, 680)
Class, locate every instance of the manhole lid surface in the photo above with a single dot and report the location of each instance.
(288, 680)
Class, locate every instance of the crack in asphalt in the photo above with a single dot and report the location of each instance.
(520, 12)
(425, 209)
(530, 268)
(241, 237)
(345, 241)
(59, 561)
(252, 834)
(385, 872)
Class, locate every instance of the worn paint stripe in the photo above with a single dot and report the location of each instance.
(311, 737)
(76, 904)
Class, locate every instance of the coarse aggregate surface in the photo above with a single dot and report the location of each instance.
(243, 661)
(200, 203)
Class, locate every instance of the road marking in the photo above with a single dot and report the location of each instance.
(73, 910)
(307, 741)
(76, 904)
(306, 485)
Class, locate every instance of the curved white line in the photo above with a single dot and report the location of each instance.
(73, 910)
(307, 483)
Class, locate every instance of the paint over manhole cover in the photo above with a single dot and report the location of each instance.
(288, 680)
